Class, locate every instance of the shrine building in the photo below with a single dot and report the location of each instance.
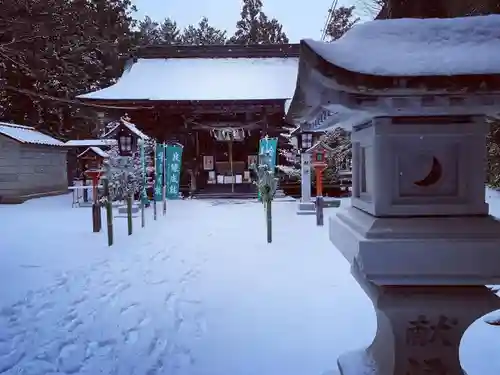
(217, 101)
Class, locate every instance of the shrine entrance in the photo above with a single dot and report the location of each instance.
(227, 159)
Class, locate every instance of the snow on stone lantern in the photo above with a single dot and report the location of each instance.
(415, 94)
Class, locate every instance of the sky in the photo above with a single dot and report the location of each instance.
(300, 19)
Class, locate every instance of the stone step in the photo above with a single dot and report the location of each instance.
(225, 196)
(123, 209)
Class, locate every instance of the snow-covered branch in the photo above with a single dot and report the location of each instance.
(338, 139)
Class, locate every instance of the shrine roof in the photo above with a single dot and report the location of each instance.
(27, 135)
(417, 47)
(98, 151)
(90, 142)
(203, 73)
(128, 125)
(320, 145)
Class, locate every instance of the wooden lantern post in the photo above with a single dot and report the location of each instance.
(319, 153)
(318, 162)
(95, 175)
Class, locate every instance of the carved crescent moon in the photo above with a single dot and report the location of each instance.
(434, 175)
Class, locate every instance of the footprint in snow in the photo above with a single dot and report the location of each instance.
(131, 337)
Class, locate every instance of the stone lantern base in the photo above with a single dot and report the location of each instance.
(425, 277)
(306, 208)
(419, 329)
(420, 250)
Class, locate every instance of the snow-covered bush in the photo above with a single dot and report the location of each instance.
(338, 139)
(125, 174)
(266, 182)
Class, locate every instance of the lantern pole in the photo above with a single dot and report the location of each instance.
(306, 206)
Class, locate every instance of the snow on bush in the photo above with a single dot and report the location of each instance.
(338, 139)
(126, 174)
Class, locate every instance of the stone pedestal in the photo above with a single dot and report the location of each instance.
(306, 206)
(418, 328)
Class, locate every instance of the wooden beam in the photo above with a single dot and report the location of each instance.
(200, 107)
(218, 51)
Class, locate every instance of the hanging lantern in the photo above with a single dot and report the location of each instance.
(305, 139)
(124, 143)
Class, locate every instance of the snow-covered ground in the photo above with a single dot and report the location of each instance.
(198, 292)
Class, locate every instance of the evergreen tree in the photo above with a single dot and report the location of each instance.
(254, 27)
(342, 19)
(59, 48)
(148, 33)
(169, 32)
(203, 34)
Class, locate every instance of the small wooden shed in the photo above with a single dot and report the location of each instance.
(76, 147)
(32, 164)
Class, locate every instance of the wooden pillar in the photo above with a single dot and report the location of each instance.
(230, 145)
(319, 181)
(417, 9)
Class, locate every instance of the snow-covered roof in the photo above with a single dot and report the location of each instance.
(417, 47)
(133, 128)
(26, 134)
(90, 142)
(198, 79)
(130, 127)
(97, 150)
(320, 144)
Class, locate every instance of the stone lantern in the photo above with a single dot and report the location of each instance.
(304, 139)
(418, 234)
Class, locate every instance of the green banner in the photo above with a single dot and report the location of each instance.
(268, 146)
(173, 157)
(159, 159)
(144, 193)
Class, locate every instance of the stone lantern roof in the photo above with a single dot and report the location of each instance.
(399, 66)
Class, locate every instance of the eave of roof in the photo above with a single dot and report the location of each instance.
(191, 80)
(98, 151)
(27, 135)
(90, 142)
(128, 125)
(218, 51)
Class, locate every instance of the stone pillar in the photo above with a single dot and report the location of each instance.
(306, 206)
(419, 239)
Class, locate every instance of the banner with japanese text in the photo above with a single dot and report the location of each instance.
(173, 157)
(159, 160)
(267, 153)
(268, 146)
